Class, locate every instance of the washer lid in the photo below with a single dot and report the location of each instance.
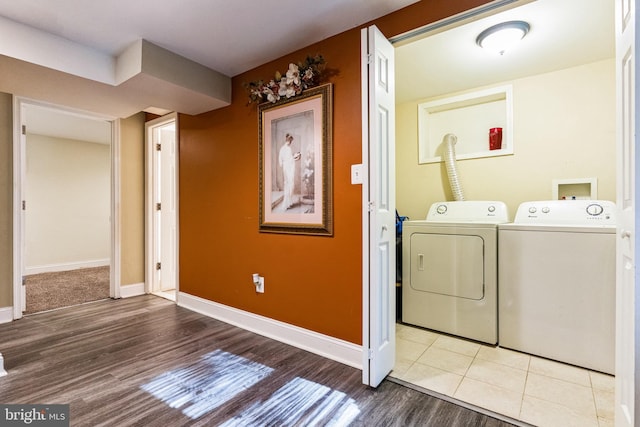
(567, 212)
(472, 211)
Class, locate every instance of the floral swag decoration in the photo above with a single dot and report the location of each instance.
(298, 77)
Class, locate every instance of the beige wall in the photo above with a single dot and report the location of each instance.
(564, 127)
(68, 187)
(6, 200)
(132, 199)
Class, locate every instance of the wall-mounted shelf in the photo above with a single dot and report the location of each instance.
(469, 117)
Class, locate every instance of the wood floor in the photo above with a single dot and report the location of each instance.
(144, 361)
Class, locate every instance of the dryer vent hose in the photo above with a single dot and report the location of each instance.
(449, 156)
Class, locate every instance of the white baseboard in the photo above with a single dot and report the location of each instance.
(133, 290)
(67, 266)
(6, 314)
(322, 345)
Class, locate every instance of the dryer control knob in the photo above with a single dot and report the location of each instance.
(546, 209)
(441, 209)
(491, 208)
(532, 209)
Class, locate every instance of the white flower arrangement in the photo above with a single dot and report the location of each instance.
(297, 78)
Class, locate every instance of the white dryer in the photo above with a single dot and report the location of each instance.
(449, 278)
(557, 282)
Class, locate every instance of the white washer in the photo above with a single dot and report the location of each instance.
(449, 278)
(557, 282)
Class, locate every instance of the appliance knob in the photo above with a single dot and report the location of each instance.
(491, 208)
(545, 209)
(441, 209)
(594, 209)
(533, 209)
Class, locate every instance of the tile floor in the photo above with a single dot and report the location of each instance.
(527, 388)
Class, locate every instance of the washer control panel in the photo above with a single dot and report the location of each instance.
(567, 212)
(473, 211)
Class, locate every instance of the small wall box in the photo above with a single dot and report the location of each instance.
(469, 116)
(578, 189)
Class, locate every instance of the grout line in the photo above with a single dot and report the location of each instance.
(462, 403)
(475, 357)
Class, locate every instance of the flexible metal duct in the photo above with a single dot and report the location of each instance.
(449, 156)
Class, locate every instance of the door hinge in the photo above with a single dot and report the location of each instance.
(158, 266)
(24, 205)
(370, 354)
(369, 58)
(370, 206)
(158, 147)
(24, 281)
(24, 129)
(158, 206)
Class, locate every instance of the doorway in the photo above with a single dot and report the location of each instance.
(419, 184)
(162, 206)
(63, 205)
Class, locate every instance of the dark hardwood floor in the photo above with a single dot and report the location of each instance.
(144, 361)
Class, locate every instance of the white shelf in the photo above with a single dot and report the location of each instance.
(469, 117)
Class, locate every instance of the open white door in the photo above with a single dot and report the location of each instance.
(626, 334)
(162, 234)
(19, 203)
(379, 200)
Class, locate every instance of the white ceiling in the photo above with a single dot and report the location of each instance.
(70, 52)
(564, 33)
(235, 36)
(229, 36)
(56, 123)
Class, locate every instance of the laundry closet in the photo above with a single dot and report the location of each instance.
(553, 99)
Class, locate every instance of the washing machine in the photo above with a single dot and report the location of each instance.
(557, 282)
(449, 278)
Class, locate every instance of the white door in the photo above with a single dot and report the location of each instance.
(627, 241)
(378, 157)
(22, 201)
(162, 207)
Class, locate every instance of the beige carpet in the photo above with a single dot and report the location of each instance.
(46, 291)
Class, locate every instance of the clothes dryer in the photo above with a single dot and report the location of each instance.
(449, 279)
(557, 282)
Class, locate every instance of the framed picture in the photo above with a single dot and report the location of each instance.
(296, 164)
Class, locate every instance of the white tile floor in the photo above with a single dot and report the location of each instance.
(527, 388)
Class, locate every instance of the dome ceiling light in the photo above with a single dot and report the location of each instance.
(501, 37)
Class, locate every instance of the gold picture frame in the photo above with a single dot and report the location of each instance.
(295, 152)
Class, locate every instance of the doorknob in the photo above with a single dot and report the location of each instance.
(625, 234)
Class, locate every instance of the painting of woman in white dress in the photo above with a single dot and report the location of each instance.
(293, 154)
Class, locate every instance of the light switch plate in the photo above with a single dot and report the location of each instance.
(356, 174)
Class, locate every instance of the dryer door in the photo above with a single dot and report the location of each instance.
(448, 264)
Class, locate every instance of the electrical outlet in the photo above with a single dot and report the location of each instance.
(260, 285)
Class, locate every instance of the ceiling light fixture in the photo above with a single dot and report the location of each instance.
(502, 36)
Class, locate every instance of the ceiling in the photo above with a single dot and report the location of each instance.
(41, 120)
(61, 51)
(563, 34)
(228, 36)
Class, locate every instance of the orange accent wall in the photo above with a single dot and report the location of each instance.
(310, 281)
